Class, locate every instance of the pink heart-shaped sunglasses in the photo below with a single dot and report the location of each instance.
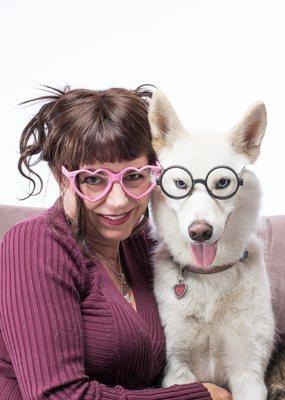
(135, 182)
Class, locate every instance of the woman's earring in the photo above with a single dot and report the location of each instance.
(61, 197)
(62, 202)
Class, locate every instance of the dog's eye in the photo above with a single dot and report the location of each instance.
(180, 184)
(223, 183)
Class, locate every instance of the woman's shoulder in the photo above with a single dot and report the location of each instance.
(45, 233)
(28, 226)
(42, 222)
(43, 244)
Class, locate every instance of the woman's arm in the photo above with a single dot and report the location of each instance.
(40, 319)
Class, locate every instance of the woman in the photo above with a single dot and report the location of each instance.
(78, 316)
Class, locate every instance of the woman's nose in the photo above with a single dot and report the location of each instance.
(117, 197)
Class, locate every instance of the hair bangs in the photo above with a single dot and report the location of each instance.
(110, 142)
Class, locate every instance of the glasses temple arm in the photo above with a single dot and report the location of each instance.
(65, 171)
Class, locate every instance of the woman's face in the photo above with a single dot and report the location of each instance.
(116, 215)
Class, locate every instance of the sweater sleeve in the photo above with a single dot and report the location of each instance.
(40, 319)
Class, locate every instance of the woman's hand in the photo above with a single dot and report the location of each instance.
(217, 393)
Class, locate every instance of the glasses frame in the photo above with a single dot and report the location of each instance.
(202, 181)
(113, 177)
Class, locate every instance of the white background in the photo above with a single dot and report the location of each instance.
(212, 58)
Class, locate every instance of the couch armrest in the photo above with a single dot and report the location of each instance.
(11, 215)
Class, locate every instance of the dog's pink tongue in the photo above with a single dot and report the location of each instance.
(203, 254)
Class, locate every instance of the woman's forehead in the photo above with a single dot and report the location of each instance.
(117, 165)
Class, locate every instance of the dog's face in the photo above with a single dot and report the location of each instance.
(200, 229)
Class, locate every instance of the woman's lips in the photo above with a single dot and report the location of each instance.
(115, 219)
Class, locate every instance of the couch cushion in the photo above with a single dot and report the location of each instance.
(273, 235)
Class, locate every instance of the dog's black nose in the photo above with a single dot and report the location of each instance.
(200, 231)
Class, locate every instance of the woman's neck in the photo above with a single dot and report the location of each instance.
(105, 250)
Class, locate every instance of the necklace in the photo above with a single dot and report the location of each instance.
(124, 287)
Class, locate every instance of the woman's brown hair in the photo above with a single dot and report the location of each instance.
(76, 127)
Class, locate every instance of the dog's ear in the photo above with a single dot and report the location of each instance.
(164, 123)
(247, 135)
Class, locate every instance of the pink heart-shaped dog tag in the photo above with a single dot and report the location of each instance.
(179, 290)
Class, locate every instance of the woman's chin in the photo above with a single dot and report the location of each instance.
(116, 232)
(115, 236)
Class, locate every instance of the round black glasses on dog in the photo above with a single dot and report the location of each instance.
(221, 182)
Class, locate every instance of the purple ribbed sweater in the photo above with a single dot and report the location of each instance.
(66, 331)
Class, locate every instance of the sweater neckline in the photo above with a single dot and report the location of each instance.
(115, 293)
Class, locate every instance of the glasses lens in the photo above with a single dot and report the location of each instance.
(92, 185)
(176, 182)
(137, 182)
(222, 182)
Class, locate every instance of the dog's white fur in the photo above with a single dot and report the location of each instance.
(222, 330)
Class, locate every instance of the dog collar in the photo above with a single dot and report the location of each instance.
(180, 288)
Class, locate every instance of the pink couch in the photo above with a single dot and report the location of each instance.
(272, 231)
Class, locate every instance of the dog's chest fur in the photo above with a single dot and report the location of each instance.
(197, 325)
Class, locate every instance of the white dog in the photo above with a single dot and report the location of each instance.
(209, 275)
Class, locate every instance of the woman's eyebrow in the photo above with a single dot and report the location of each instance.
(92, 169)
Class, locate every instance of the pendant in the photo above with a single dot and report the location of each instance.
(124, 288)
(180, 289)
(127, 297)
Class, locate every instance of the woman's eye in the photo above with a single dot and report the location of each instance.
(133, 177)
(180, 184)
(92, 180)
(223, 183)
